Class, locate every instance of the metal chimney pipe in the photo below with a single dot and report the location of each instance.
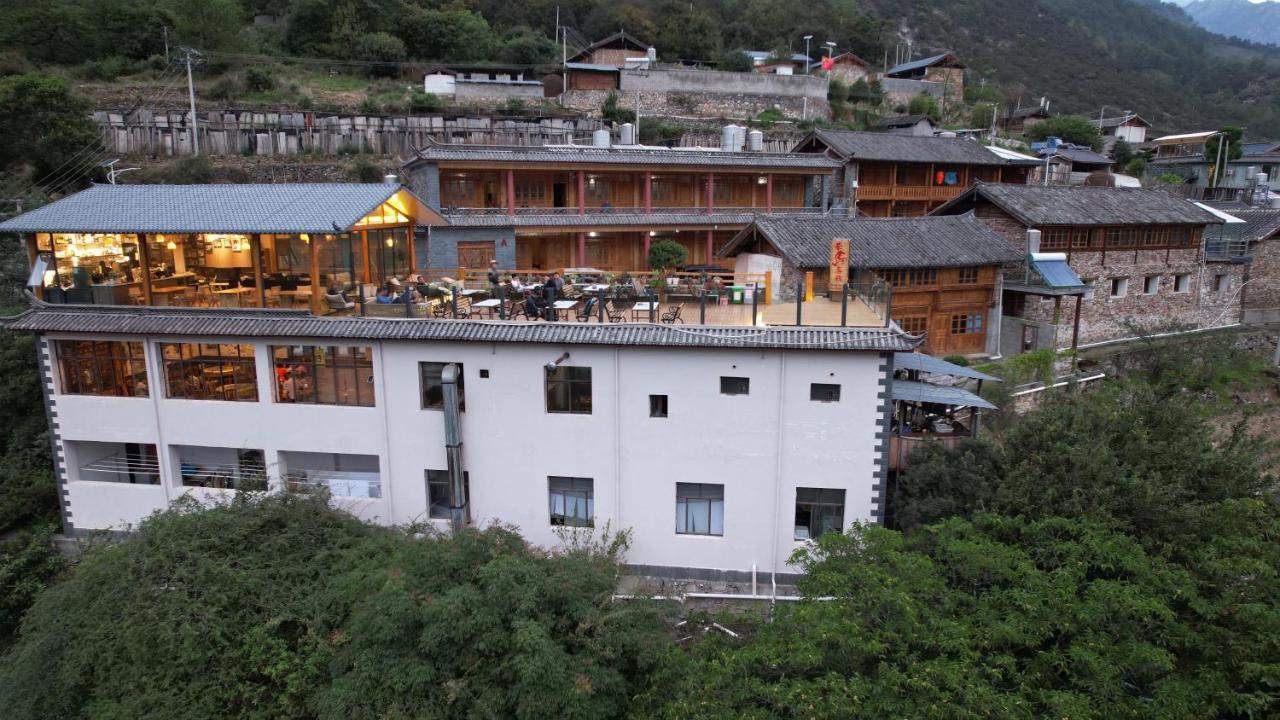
(459, 514)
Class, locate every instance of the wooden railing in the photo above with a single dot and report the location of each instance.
(477, 278)
(909, 192)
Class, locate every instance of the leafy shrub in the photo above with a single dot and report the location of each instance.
(108, 68)
(960, 360)
(366, 172)
(424, 102)
(369, 106)
(666, 253)
(924, 104)
(382, 49)
(259, 79)
(513, 106)
(226, 87)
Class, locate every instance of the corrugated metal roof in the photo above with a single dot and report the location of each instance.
(1221, 215)
(927, 363)
(923, 63)
(1037, 205)
(1185, 137)
(627, 155)
(573, 219)
(912, 391)
(225, 208)
(858, 145)
(254, 323)
(943, 241)
(1014, 158)
(1057, 273)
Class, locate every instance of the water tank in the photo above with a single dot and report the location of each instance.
(755, 141)
(727, 137)
(600, 138)
(628, 134)
(1261, 178)
(739, 138)
(946, 134)
(391, 179)
(652, 54)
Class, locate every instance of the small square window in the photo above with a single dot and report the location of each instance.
(1221, 282)
(968, 275)
(572, 501)
(824, 392)
(484, 373)
(1181, 283)
(1151, 285)
(658, 406)
(735, 385)
(1119, 287)
(439, 494)
(433, 386)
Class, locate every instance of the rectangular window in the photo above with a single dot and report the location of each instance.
(531, 193)
(569, 390)
(968, 275)
(911, 277)
(916, 325)
(1119, 287)
(127, 463)
(824, 392)
(1151, 284)
(1221, 282)
(1181, 283)
(324, 374)
(699, 509)
(1055, 239)
(572, 501)
(439, 494)
(433, 386)
(662, 192)
(222, 468)
(110, 368)
(206, 371)
(818, 510)
(966, 323)
(658, 406)
(735, 385)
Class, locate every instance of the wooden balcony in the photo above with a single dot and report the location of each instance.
(902, 446)
(925, 193)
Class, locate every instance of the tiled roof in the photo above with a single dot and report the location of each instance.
(626, 155)
(1037, 205)
(922, 63)
(1080, 155)
(226, 208)
(1262, 223)
(856, 145)
(252, 323)
(898, 121)
(1121, 120)
(594, 219)
(950, 241)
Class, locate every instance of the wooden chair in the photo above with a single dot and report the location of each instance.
(615, 311)
(586, 310)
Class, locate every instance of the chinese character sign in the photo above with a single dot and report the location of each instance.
(838, 273)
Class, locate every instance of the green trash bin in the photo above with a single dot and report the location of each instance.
(737, 294)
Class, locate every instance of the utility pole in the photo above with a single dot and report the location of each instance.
(807, 60)
(191, 94)
(636, 139)
(165, 28)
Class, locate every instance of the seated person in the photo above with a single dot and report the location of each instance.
(289, 282)
(516, 285)
(385, 295)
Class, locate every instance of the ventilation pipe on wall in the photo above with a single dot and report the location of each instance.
(459, 507)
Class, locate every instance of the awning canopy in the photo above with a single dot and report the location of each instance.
(1055, 270)
(922, 392)
(930, 364)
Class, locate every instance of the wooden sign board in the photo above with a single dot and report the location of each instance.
(838, 272)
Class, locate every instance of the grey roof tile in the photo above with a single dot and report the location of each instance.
(253, 323)
(1262, 223)
(859, 145)
(921, 63)
(1037, 205)
(943, 241)
(594, 219)
(626, 155)
(227, 208)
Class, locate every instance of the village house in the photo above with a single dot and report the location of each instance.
(1187, 157)
(602, 206)
(890, 175)
(944, 69)
(944, 273)
(203, 393)
(1019, 120)
(917, 125)
(1260, 296)
(1128, 127)
(846, 67)
(615, 50)
(763, 61)
(1125, 259)
(1070, 164)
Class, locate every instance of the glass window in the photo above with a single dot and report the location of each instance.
(966, 323)
(324, 375)
(1119, 287)
(1181, 283)
(913, 325)
(824, 392)
(1151, 284)
(569, 389)
(109, 368)
(968, 275)
(911, 277)
(658, 406)
(818, 510)
(208, 371)
(222, 468)
(699, 509)
(735, 385)
(433, 386)
(439, 494)
(572, 501)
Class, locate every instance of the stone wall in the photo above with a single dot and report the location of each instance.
(442, 245)
(710, 94)
(1263, 290)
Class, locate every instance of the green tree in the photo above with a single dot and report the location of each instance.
(1137, 166)
(1122, 153)
(208, 24)
(982, 115)
(666, 254)
(44, 127)
(733, 60)
(444, 34)
(381, 49)
(924, 104)
(1070, 128)
(862, 91)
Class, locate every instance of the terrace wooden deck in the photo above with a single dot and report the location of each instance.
(819, 311)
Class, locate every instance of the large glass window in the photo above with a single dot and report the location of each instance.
(102, 368)
(389, 253)
(207, 371)
(699, 509)
(127, 463)
(572, 501)
(222, 468)
(433, 386)
(569, 390)
(324, 375)
(818, 510)
(341, 475)
(439, 495)
(966, 323)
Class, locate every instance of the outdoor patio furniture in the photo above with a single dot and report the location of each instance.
(614, 311)
(672, 315)
(586, 309)
(338, 304)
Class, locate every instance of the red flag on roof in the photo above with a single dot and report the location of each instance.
(828, 63)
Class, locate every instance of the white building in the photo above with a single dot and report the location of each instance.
(717, 448)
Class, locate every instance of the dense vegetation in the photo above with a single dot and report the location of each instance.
(1138, 55)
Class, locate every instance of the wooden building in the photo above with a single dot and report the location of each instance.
(944, 272)
(1131, 258)
(892, 175)
(847, 67)
(1018, 120)
(614, 50)
(585, 206)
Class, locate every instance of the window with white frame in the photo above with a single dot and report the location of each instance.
(1151, 285)
(1119, 287)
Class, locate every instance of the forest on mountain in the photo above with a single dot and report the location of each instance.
(1255, 21)
(1139, 55)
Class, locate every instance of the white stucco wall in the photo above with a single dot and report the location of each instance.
(760, 446)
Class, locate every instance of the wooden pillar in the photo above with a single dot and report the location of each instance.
(768, 193)
(582, 249)
(413, 249)
(582, 193)
(364, 254)
(710, 245)
(648, 197)
(144, 257)
(644, 261)
(511, 192)
(255, 251)
(315, 271)
(1075, 325)
(711, 198)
